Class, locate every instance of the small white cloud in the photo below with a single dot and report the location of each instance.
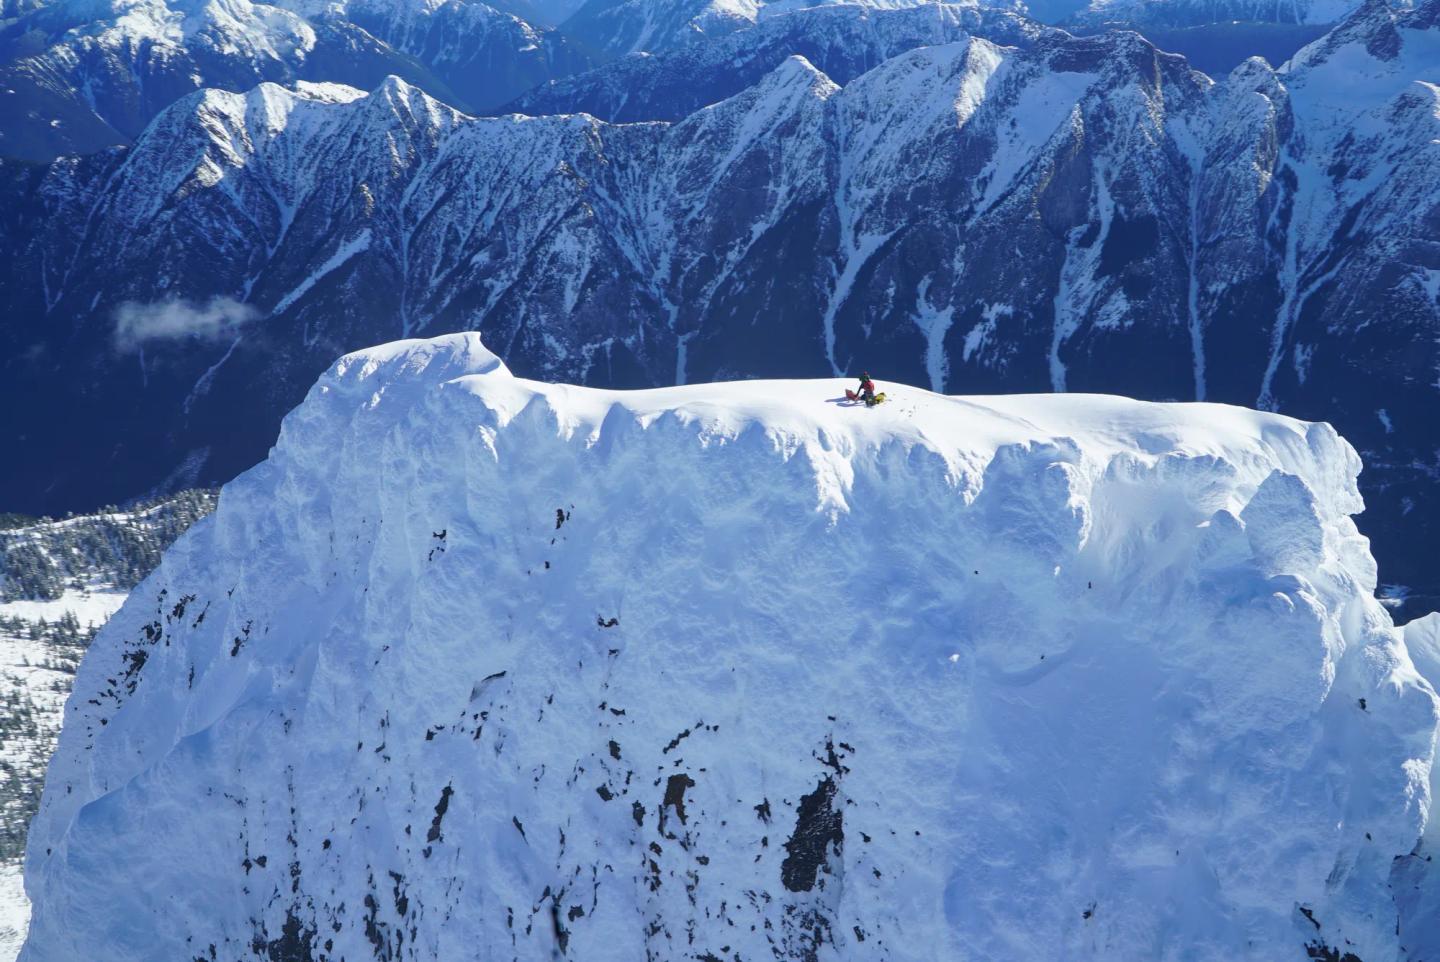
(175, 319)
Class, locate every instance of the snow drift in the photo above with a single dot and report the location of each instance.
(479, 667)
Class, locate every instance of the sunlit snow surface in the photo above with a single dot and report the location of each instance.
(14, 912)
(477, 667)
(90, 607)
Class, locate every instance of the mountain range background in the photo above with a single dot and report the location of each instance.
(205, 202)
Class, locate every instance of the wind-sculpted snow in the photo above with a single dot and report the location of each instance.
(479, 667)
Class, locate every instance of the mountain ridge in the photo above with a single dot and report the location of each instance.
(1047, 214)
(81, 76)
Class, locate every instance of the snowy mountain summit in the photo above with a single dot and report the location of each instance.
(479, 667)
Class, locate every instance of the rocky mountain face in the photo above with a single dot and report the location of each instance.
(614, 28)
(1037, 212)
(842, 42)
(1216, 36)
(79, 76)
(479, 667)
(1218, 48)
(1190, 13)
(544, 13)
(619, 27)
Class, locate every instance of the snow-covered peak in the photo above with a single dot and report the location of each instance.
(1380, 46)
(794, 76)
(102, 68)
(1253, 73)
(842, 40)
(529, 669)
(1192, 13)
(409, 366)
(327, 92)
(774, 8)
(394, 95)
(629, 26)
(209, 131)
(942, 87)
(212, 135)
(1366, 92)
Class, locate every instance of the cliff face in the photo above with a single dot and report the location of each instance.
(479, 666)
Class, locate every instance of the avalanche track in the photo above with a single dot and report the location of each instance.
(480, 667)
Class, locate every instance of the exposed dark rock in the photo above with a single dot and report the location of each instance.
(433, 835)
(819, 826)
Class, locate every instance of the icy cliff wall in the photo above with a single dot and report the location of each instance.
(478, 667)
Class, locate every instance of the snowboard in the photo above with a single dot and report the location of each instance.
(852, 396)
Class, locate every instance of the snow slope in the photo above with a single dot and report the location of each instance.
(843, 41)
(619, 27)
(14, 912)
(479, 667)
(40, 646)
(33, 686)
(1187, 13)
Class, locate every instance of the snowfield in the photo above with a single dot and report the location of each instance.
(479, 667)
(14, 911)
(60, 580)
(33, 688)
(90, 606)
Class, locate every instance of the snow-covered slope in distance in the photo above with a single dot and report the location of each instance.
(545, 13)
(42, 560)
(60, 580)
(79, 75)
(40, 648)
(842, 41)
(618, 27)
(475, 666)
(613, 28)
(1215, 35)
(1190, 13)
